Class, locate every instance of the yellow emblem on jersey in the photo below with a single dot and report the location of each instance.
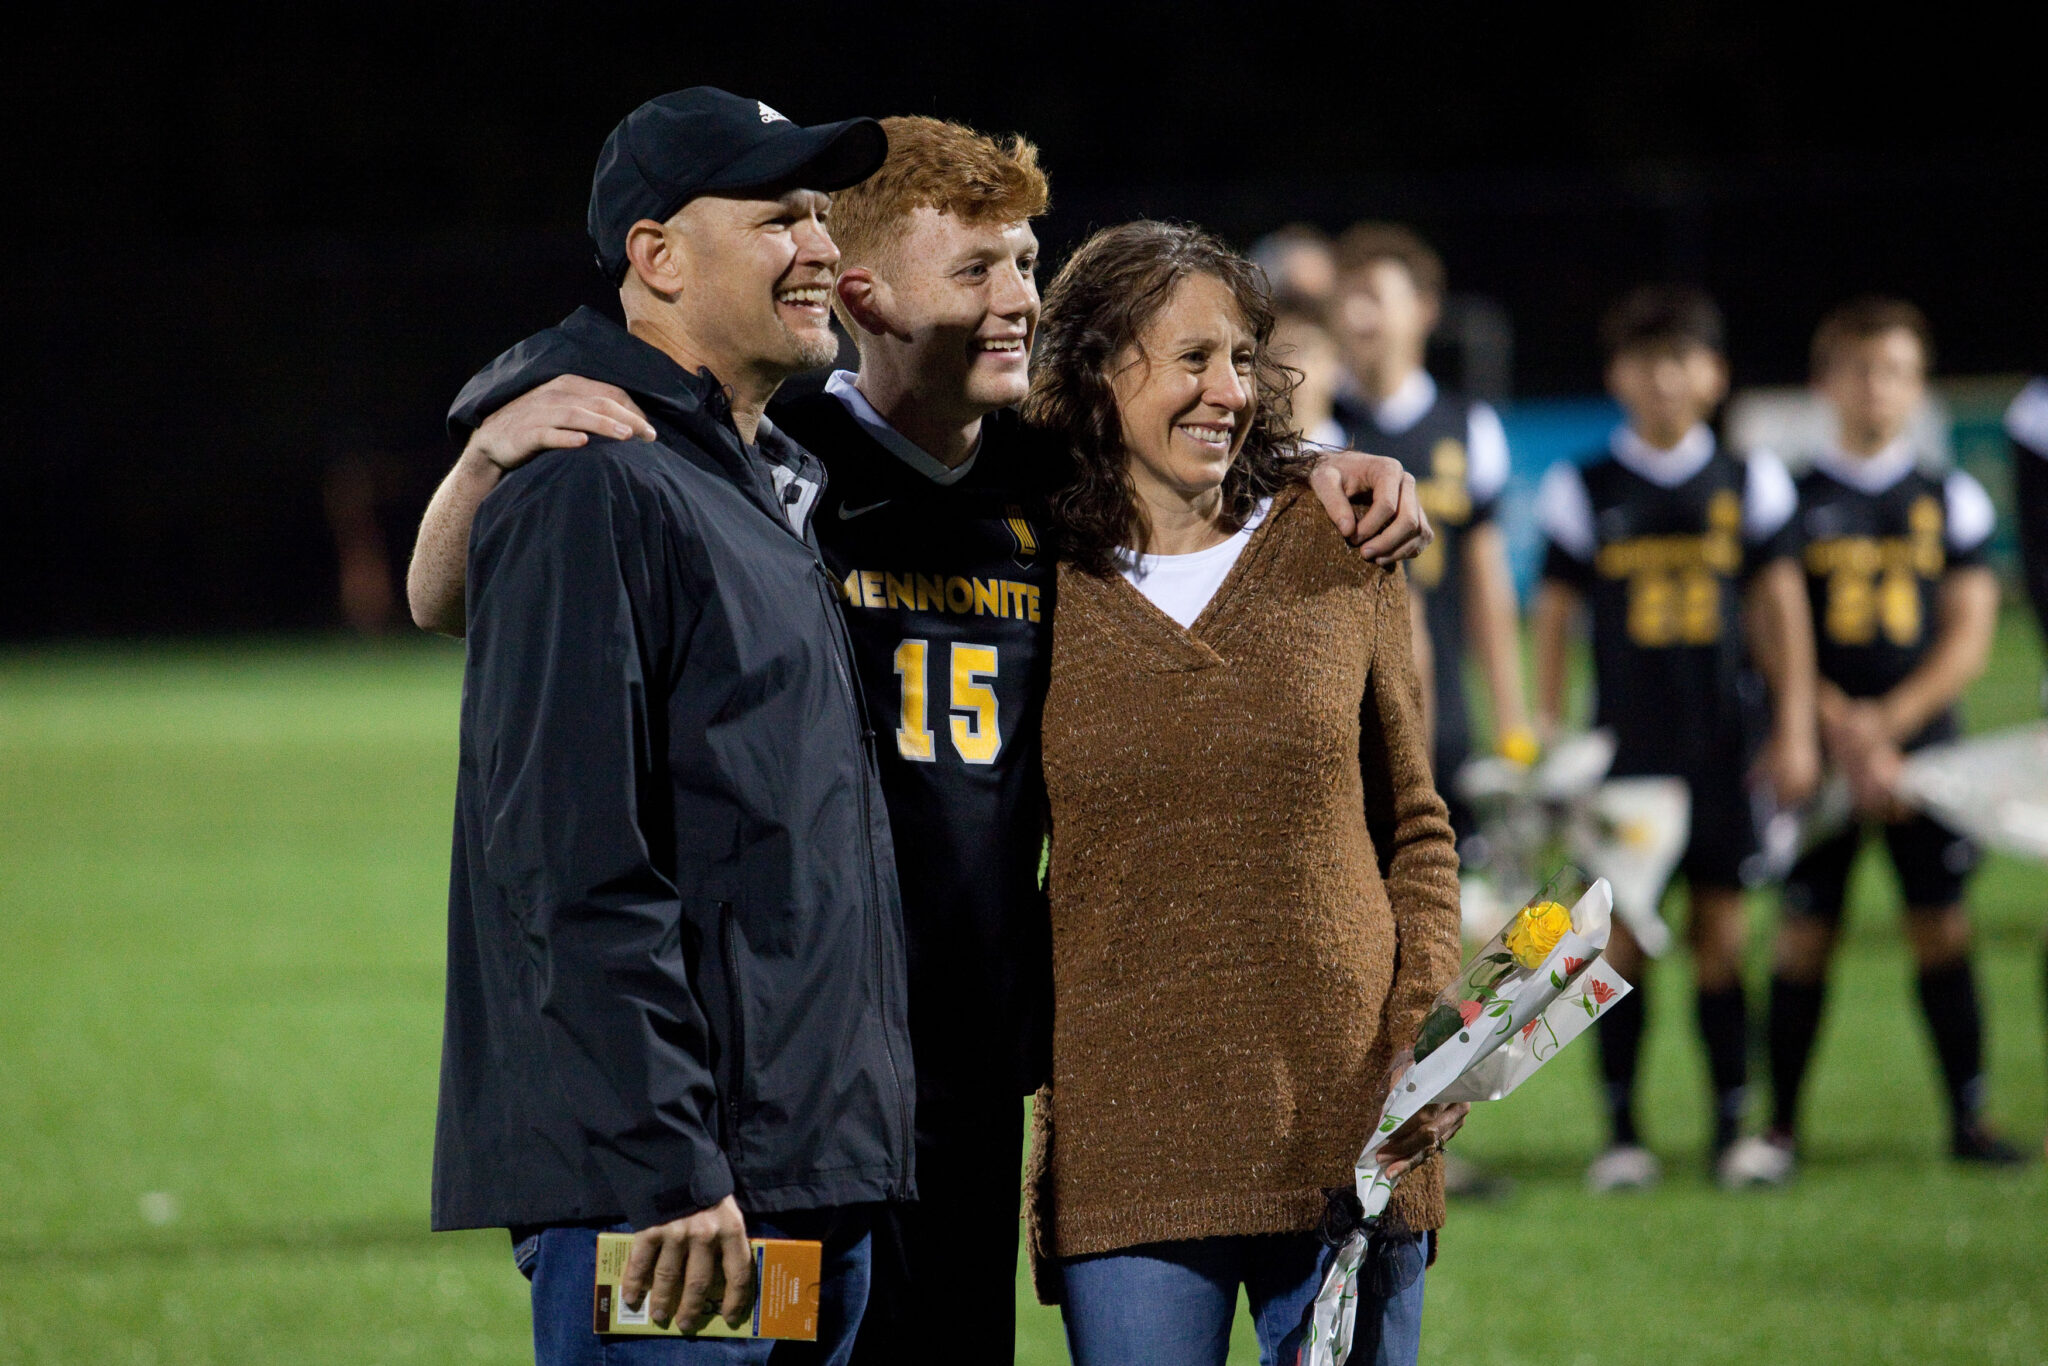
(1021, 532)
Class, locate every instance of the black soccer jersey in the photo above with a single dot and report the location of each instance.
(947, 591)
(1458, 456)
(1876, 538)
(1662, 563)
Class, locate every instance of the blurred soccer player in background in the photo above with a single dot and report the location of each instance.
(1676, 545)
(1904, 609)
(1390, 287)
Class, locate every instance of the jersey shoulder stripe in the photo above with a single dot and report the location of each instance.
(2026, 421)
(1769, 496)
(1487, 461)
(1564, 511)
(1970, 515)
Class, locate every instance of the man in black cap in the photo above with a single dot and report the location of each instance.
(675, 959)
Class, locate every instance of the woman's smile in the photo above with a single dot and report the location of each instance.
(1214, 437)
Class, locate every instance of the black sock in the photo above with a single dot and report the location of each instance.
(1948, 998)
(1794, 1025)
(1620, 1034)
(1724, 1024)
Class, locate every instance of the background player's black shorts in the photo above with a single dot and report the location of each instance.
(1724, 835)
(1932, 861)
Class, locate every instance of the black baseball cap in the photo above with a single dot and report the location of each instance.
(705, 141)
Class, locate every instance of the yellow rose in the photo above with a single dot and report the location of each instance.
(1534, 932)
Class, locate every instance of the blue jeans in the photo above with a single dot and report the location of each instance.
(562, 1264)
(1171, 1304)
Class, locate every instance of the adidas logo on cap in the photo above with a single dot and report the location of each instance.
(769, 115)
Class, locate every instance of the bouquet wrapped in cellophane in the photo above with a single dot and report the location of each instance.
(1531, 990)
(1993, 788)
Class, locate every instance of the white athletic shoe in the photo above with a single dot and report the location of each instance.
(1754, 1161)
(1628, 1167)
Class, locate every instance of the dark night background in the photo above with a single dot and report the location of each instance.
(254, 259)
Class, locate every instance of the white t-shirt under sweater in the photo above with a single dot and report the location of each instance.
(1181, 585)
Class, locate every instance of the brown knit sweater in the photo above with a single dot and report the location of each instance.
(1233, 969)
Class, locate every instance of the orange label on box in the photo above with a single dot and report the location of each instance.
(787, 1273)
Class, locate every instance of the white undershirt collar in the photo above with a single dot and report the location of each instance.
(1182, 585)
(1666, 469)
(842, 386)
(1871, 474)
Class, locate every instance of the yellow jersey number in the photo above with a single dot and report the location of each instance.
(977, 737)
(1674, 608)
(1859, 602)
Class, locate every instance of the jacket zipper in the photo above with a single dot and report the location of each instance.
(856, 698)
(857, 701)
(736, 1037)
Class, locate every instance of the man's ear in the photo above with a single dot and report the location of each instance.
(654, 257)
(865, 299)
(1432, 313)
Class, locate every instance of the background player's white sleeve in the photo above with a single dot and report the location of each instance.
(1486, 450)
(1564, 512)
(1970, 514)
(1770, 497)
(2026, 421)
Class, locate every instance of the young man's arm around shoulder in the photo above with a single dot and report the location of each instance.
(564, 412)
(575, 629)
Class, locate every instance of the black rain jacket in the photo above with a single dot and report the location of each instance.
(675, 948)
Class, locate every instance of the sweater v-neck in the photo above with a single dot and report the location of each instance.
(1194, 646)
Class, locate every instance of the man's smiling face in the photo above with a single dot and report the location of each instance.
(964, 297)
(757, 277)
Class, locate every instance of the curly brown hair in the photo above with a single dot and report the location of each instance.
(1099, 304)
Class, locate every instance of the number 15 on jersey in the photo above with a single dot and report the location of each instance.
(972, 710)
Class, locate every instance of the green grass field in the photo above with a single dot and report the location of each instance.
(222, 881)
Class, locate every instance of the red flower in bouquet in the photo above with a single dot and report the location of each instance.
(1572, 965)
(1468, 1011)
(1602, 992)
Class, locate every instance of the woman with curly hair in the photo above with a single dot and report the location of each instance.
(1254, 890)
